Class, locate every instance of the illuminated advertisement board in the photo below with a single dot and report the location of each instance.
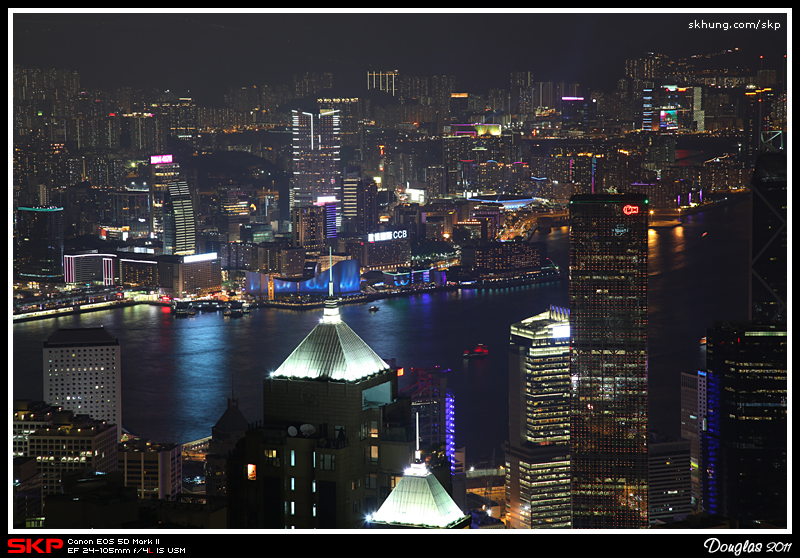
(387, 235)
(669, 119)
(160, 159)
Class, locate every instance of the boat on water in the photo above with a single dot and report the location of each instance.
(183, 308)
(373, 308)
(480, 350)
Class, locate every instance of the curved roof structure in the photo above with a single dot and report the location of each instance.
(332, 351)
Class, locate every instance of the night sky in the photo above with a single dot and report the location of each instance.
(207, 53)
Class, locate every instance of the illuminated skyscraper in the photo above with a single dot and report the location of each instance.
(537, 454)
(39, 243)
(745, 442)
(335, 440)
(315, 148)
(608, 368)
(179, 224)
(769, 248)
(83, 373)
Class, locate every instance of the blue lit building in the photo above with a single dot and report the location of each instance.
(745, 441)
(346, 281)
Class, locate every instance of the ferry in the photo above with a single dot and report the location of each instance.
(480, 350)
(183, 308)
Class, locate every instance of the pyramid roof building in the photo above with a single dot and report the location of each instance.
(332, 351)
(419, 501)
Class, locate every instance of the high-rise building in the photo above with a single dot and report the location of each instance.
(745, 442)
(156, 470)
(39, 243)
(693, 421)
(308, 228)
(70, 444)
(315, 147)
(383, 81)
(608, 368)
(669, 479)
(335, 439)
(769, 252)
(180, 236)
(83, 373)
(163, 172)
(538, 452)
(433, 405)
(359, 203)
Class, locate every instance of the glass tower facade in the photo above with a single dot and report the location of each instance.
(608, 360)
(39, 243)
(315, 147)
(537, 454)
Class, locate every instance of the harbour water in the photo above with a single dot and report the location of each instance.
(177, 373)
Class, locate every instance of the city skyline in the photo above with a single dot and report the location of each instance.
(587, 163)
(179, 52)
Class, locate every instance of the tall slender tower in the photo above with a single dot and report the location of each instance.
(315, 148)
(608, 368)
(179, 223)
(537, 452)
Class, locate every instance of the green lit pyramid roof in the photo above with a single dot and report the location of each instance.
(332, 351)
(419, 500)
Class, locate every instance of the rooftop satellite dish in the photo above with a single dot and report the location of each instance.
(307, 429)
(292, 431)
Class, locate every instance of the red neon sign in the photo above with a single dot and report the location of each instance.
(630, 209)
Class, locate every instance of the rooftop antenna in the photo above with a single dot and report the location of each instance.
(330, 271)
(417, 455)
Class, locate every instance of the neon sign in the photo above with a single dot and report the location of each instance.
(630, 209)
(387, 235)
(160, 159)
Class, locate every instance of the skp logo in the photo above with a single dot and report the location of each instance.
(29, 546)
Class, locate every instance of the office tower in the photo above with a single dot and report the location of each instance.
(228, 430)
(537, 451)
(156, 470)
(577, 114)
(331, 215)
(308, 228)
(90, 268)
(608, 368)
(83, 373)
(189, 276)
(234, 213)
(759, 120)
(433, 405)
(360, 203)
(693, 420)
(70, 444)
(179, 221)
(744, 444)
(163, 172)
(335, 437)
(669, 479)
(769, 249)
(315, 149)
(39, 244)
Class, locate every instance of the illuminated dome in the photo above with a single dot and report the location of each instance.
(332, 351)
